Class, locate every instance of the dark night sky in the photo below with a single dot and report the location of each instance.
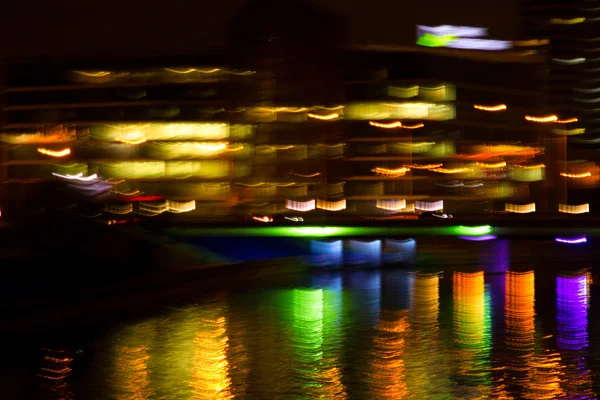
(103, 27)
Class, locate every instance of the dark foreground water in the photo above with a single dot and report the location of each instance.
(491, 329)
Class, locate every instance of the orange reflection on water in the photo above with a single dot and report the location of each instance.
(54, 374)
(131, 373)
(471, 332)
(388, 368)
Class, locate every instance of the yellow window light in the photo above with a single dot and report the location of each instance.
(580, 209)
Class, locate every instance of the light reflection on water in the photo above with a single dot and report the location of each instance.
(380, 334)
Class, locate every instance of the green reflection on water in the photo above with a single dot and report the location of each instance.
(310, 343)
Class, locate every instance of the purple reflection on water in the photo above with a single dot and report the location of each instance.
(496, 261)
(572, 306)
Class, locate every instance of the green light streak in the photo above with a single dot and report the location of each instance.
(329, 231)
(430, 40)
(472, 230)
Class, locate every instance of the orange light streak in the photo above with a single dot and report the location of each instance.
(127, 141)
(566, 121)
(529, 166)
(549, 118)
(499, 107)
(306, 175)
(500, 164)
(416, 126)
(391, 172)
(576, 176)
(327, 117)
(390, 125)
(451, 170)
(424, 166)
(54, 153)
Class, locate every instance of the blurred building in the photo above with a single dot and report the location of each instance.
(571, 32)
(287, 121)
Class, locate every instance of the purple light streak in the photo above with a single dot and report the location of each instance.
(582, 239)
(478, 238)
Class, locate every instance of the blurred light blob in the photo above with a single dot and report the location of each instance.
(363, 253)
(264, 219)
(78, 177)
(332, 205)
(181, 206)
(54, 153)
(326, 254)
(473, 230)
(579, 240)
(38, 137)
(429, 205)
(452, 30)
(580, 209)
(520, 208)
(120, 209)
(295, 219)
(391, 205)
(302, 206)
(499, 107)
(413, 110)
(563, 21)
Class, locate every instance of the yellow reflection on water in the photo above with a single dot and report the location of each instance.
(427, 366)
(210, 376)
(131, 378)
